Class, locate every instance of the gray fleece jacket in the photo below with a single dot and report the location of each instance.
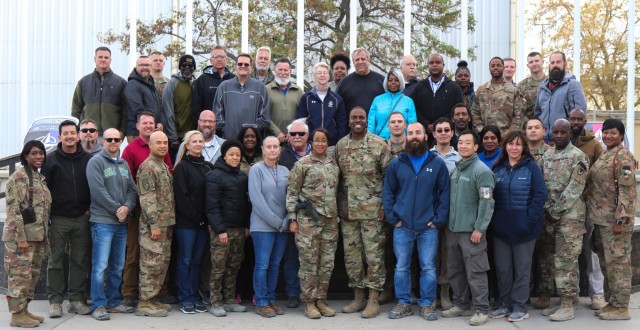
(111, 186)
(268, 194)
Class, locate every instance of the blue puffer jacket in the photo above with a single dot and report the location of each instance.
(519, 197)
(381, 109)
(329, 113)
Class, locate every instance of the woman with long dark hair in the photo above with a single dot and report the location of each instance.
(25, 233)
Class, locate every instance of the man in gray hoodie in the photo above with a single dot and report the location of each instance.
(113, 195)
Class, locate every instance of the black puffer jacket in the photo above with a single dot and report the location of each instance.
(189, 181)
(227, 198)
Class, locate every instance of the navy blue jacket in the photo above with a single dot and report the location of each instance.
(416, 199)
(329, 114)
(519, 197)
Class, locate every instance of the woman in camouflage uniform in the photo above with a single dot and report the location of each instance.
(609, 195)
(25, 242)
(313, 212)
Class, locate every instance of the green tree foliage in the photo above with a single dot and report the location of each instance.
(604, 53)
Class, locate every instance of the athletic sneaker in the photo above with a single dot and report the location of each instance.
(188, 309)
(499, 313)
(518, 316)
(400, 311)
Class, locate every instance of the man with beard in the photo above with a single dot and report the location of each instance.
(89, 137)
(471, 208)
(436, 95)
(529, 86)
(359, 88)
(497, 102)
(176, 103)
(416, 203)
(565, 173)
(262, 70)
(212, 142)
(284, 97)
(585, 140)
(558, 94)
(409, 70)
(461, 119)
(363, 158)
(140, 95)
(98, 95)
(205, 87)
(241, 101)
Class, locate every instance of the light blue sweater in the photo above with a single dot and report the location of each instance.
(268, 194)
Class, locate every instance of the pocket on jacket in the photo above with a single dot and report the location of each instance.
(478, 259)
(150, 245)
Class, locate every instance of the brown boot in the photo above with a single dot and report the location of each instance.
(604, 309)
(358, 302)
(35, 317)
(566, 311)
(373, 309)
(543, 302)
(21, 320)
(311, 311)
(324, 309)
(386, 296)
(445, 300)
(615, 313)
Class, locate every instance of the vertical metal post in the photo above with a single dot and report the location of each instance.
(188, 28)
(464, 27)
(300, 45)
(245, 27)
(631, 75)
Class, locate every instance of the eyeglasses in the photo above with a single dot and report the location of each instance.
(187, 65)
(246, 65)
(112, 140)
(443, 130)
(249, 125)
(89, 130)
(218, 57)
(207, 122)
(297, 133)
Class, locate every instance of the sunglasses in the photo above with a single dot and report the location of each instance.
(187, 65)
(249, 125)
(246, 65)
(111, 140)
(297, 133)
(89, 130)
(446, 130)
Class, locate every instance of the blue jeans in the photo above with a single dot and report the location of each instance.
(403, 242)
(291, 266)
(269, 249)
(191, 245)
(108, 253)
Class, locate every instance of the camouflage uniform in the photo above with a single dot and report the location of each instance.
(23, 268)
(155, 188)
(529, 89)
(225, 264)
(500, 105)
(363, 165)
(543, 249)
(603, 208)
(315, 180)
(565, 174)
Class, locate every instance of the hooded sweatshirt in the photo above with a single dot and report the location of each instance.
(141, 96)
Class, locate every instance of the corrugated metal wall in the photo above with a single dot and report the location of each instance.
(46, 46)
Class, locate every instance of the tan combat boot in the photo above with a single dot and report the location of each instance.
(386, 296)
(35, 317)
(311, 311)
(373, 309)
(565, 312)
(542, 302)
(445, 300)
(604, 309)
(615, 313)
(324, 309)
(21, 320)
(357, 304)
(148, 308)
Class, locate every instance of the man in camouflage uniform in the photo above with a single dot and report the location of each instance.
(611, 209)
(155, 188)
(363, 160)
(529, 86)
(497, 102)
(314, 179)
(25, 246)
(565, 172)
(543, 250)
(584, 139)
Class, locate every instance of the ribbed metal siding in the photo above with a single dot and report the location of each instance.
(42, 60)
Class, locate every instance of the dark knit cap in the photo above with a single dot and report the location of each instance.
(228, 144)
(187, 59)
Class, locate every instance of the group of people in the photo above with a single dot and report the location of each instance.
(249, 165)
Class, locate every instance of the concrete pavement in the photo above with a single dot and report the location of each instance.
(295, 319)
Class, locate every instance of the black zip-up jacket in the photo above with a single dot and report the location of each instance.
(430, 107)
(141, 96)
(227, 200)
(189, 181)
(204, 90)
(66, 176)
